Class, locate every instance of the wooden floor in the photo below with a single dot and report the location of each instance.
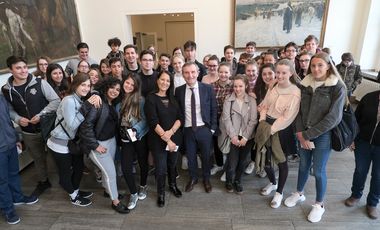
(197, 210)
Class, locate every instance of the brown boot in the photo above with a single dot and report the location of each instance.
(372, 212)
(351, 201)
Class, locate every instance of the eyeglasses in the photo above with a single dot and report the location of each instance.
(212, 66)
(305, 60)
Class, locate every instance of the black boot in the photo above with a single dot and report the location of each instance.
(174, 189)
(161, 200)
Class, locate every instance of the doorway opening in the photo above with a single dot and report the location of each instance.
(164, 31)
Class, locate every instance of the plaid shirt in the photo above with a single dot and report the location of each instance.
(221, 92)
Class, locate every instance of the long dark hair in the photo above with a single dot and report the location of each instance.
(63, 86)
(130, 105)
(260, 88)
(103, 86)
(170, 91)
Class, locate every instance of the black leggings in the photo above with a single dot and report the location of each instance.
(128, 152)
(70, 170)
(282, 171)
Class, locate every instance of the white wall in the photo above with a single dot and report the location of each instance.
(346, 28)
(101, 20)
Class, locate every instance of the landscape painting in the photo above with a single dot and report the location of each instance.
(31, 28)
(273, 23)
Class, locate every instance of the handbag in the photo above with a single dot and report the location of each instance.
(345, 132)
(224, 141)
(47, 121)
(73, 144)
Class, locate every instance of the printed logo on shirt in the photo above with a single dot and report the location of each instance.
(33, 91)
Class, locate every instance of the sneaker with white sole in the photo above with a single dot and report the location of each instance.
(133, 201)
(143, 192)
(292, 200)
(12, 217)
(185, 163)
(27, 200)
(216, 169)
(276, 201)
(223, 177)
(250, 168)
(316, 213)
(261, 174)
(268, 189)
(81, 201)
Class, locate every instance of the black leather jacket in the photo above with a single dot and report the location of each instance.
(90, 130)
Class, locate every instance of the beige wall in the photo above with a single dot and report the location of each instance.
(346, 29)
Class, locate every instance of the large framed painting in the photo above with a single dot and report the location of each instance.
(274, 23)
(40, 27)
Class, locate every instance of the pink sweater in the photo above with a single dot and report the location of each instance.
(282, 104)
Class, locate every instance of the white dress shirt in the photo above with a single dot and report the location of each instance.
(197, 106)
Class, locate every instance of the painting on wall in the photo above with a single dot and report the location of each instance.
(40, 27)
(274, 23)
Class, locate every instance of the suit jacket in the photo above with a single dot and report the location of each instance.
(208, 104)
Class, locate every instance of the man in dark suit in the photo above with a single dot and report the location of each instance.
(198, 105)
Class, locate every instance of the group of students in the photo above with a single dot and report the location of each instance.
(267, 109)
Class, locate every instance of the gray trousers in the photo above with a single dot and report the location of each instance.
(105, 162)
(36, 148)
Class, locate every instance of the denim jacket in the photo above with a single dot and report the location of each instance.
(8, 134)
(141, 126)
(72, 118)
(322, 110)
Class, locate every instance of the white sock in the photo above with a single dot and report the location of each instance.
(74, 194)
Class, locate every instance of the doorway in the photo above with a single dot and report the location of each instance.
(168, 30)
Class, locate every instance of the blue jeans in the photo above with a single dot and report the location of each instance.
(10, 186)
(319, 157)
(365, 153)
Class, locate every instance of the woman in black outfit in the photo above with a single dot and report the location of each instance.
(164, 119)
(132, 118)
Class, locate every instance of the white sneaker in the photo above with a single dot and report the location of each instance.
(143, 192)
(292, 200)
(262, 174)
(215, 169)
(268, 189)
(223, 177)
(316, 213)
(184, 165)
(250, 168)
(199, 160)
(276, 201)
(133, 201)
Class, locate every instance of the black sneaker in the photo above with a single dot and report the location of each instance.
(27, 200)
(120, 208)
(85, 194)
(238, 187)
(12, 217)
(41, 187)
(81, 201)
(229, 187)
